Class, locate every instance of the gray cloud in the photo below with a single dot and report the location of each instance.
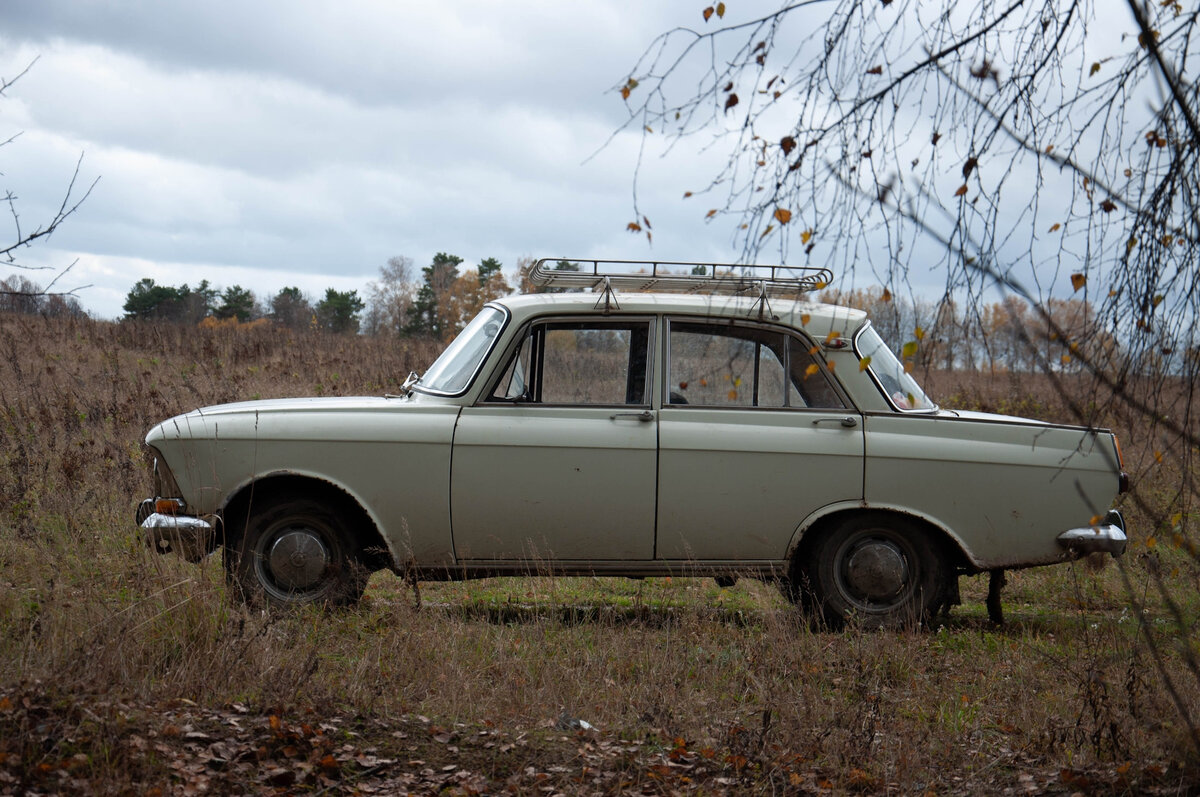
(277, 143)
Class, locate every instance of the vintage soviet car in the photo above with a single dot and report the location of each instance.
(709, 423)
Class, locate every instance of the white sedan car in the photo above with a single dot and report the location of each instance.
(708, 424)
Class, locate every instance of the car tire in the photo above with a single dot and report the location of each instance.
(295, 551)
(873, 570)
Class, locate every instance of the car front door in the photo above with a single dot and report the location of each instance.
(557, 460)
(754, 437)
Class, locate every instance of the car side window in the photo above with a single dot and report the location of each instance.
(810, 383)
(514, 383)
(731, 365)
(598, 362)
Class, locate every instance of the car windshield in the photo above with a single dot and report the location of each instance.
(898, 385)
(452, 372)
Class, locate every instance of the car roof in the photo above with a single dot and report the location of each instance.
(816, 318)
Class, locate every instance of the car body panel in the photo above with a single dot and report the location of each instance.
(349, 443)
(570, 483)
(998, 485)
(734, 484)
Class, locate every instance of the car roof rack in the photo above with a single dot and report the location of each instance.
(603, 276)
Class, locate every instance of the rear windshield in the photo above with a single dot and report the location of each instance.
(901, 389)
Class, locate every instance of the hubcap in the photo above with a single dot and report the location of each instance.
(876, 570)
(297, 559)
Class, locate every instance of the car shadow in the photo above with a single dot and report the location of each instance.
(1018, 624)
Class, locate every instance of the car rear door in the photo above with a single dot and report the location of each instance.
(754, 436)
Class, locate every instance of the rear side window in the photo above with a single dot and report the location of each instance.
(731, 365)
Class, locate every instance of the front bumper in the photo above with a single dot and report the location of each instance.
(191, 537)
(1106, 537)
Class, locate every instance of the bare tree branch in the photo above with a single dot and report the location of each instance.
(71, 201)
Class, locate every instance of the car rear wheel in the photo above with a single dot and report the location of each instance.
(296, 551)
(876, 570)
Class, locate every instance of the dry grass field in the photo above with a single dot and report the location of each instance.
(125, 671)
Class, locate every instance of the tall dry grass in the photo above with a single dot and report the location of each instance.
(99, 634)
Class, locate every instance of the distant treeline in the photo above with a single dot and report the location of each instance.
(19, 294)
(436, 303)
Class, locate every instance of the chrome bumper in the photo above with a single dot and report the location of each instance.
(1106, 537)
(190, 537)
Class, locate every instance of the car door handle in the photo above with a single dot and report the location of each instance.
(644, 415)
(848, 421)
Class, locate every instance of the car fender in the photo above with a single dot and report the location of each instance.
(396, 559)
(815, 519)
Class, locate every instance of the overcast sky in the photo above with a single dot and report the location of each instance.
(296, 142)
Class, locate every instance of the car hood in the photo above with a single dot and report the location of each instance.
(301, 418)
(328, 404)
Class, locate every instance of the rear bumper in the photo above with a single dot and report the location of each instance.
(1106, 537)
(191, 537)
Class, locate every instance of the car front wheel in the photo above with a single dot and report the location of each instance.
(877, 570)
(296, 551)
